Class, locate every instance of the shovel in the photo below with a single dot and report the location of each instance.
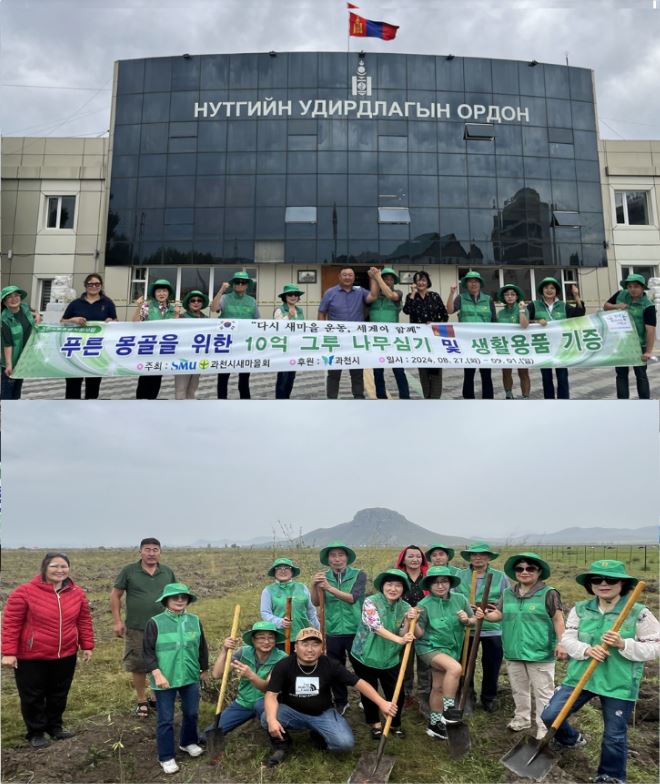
(375, 768)
(459, 734)
(287, 630)
(532, 759)
(215, 738)
(469, 707)
(322, 615)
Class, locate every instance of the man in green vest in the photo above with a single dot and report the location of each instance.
(641, 310)
(385, 308)
(440, 554)
(17, 322)
(235, 304)
(473, 305)
(343, 590)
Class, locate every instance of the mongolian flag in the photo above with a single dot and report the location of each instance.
(359, 27)
(350, 5)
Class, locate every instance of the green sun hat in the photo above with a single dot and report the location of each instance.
(634, 278)
(439, 571)
(389, 271)
(161, 283)
(174, 589)
(556, 283)
(323, 555)
(262, 626)
(283, 562)
(530, 557)
(439, 546)
(472, 276)
(195, 293)
(240, 276)
(512, 287)
(391, 573)
(289, 288)
(478, 547)
(10, 290)
(607, 568)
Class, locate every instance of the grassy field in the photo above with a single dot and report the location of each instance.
(112, 745)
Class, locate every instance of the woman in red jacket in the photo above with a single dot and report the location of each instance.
(44, 624)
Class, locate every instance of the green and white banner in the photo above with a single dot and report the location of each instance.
(254, 346)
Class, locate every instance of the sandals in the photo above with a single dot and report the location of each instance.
(142, 710)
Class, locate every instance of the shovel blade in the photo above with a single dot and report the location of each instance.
(364, 770)
(529, 760)
(215, 744)
(459, 740)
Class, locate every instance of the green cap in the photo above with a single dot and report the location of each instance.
(530, 557)
(10, 290)
(472, 276)
(554, 281)
(392, 574)
(240, 276)
(323, 555)
(289, 288)
(634, 278)
(195, 293)
(440, 571)
(262, 626)
(283, 562)
(161, 283)
(606, 568)
(478, 547)
(510, 287)
(439, 546)
(389, 271)
(174, 589)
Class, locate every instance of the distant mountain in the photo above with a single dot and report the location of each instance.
(576, 535)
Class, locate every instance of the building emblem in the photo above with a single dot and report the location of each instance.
(361, 82)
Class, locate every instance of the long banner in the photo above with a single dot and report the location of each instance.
(255, 346)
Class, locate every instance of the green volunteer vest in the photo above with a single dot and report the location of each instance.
(177, 648)
(541, 310)
(235, 307)
(493, 595)
(373, 650)
(155, 313)
(279, 593)
(615, 677)
(636, 312)
(527, 630)
(342, 617)
(187, 314)
(510, 314)
(300, 313)
(443, 631)
(385, 310)
(18, 339)
(474, 311)
(248, 693)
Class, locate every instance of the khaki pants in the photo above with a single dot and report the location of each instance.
(525, 677)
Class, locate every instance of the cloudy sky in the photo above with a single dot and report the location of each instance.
(108, 473)
(57, 55)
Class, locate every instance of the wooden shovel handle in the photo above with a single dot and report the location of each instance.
(322, 614)
(402, 674)
(466, 639)
(225, 672)
(563, 713)
(287, 630)
(469, 672)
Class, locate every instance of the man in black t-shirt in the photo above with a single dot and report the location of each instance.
(299, 697)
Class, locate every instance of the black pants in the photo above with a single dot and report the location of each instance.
(623, 388)
(284, 384)
(387, 680)
(357, 384)
(563, 392)
(338, 647)
(148, 387)
(486, 383)
(73, 388)
(491, 661)
(243, 386)
(43, 687)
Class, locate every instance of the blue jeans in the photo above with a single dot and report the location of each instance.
(11, 388)
(234, 715)
(401, 383)
(284, 384)
(334, 728)
(549, 386)
(616, 712)
(165, 700)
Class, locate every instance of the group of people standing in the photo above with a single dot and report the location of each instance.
(383, 302)
(421, 600)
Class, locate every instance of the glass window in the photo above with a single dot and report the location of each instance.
(239, 223)
(454, 222)
(300, 231)
(240, 190)
(154, 138)
(208, 222)
(243, 71)
(331, 221)
(156, 107)
(556, 81)
(452, 191)
(241, 135)
(153, 165)
(270, 223)
(122, 194)
(479, 132)
(560, 135)
(185, 73)
(300, 215)
(393, 215)
(509, 165)
(214, 72)
(646, 270)
(570, 219)
(300, 251)
(301, 190)
(362, 189)
(564, 195)
(211, 136)
(180, 192)
(181, 164)
(449, 73)
(182, 106)
(178, 231)
(481, 165)
(362, 135)
(270, 190)
(562, 150)
(581, 84)
(271, 135)
(61, 211)
(587, 171)
(423, 136)
(184, 144)
(559, 113)
(195, 279)
(332, 189)
(129, 109)
(421, 72)
(150, 224)
(593, 229)
(450, 137)
(631, 208)
(130, 78)
(393, 163)
(505, 77)
(271, 162)
(333, 69)
(177, 216)
(241, 163)
(391, 70)
(301, 142)
(482, 224)
(508, 140)
(583, 116)
(330, 162)
(127, 139)
(362, 162)
(562, 168)
(211, 163)
(362, 223)
(393, 143)
(301, 162)
(303, 69)
(210, 192)
(589, 197)
(519, 277)
(537, 168)
(125, 166)
(332, 134)
(531, 77)
(535, 141)
(482, 191)
(424, 221)
(585, 145)
(272, 70)
(424, 191)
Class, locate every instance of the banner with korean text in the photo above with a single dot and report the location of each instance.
(224, 346)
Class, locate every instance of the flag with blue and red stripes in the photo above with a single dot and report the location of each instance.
(359, 27)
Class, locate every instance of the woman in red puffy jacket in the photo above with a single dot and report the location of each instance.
(45, 622)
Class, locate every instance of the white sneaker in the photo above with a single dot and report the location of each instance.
(541, 733)
(169, 766)
(192, 749)
(518, 724)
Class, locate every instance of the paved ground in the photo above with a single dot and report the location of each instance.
(586, 384)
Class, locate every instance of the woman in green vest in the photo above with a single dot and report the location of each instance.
(532, 624)
(513, 312)
(440, 554)
(176, 654)
(343, 589)
(252, 662)
(186, 384)
(17, 323)
(289, 310)
(632, 297)
(283, 587)
(473, 305)
(378, 645)
(235, 304)
(443, 617)
(616, 679)
(159, 306)
(550, 308)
